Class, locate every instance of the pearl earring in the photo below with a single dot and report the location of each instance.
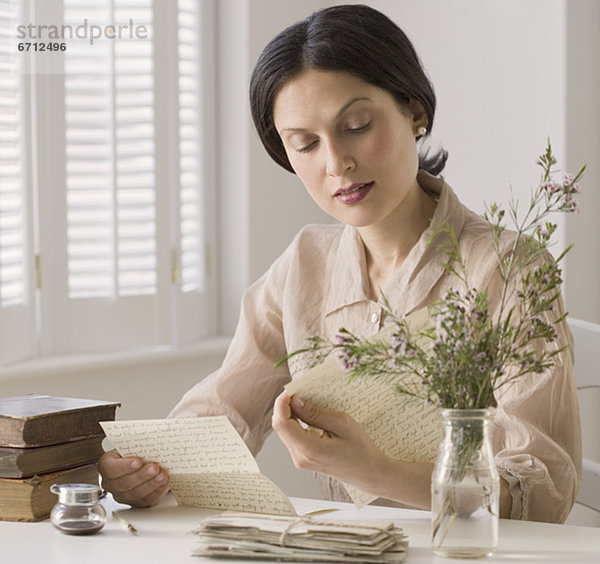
(421, 131)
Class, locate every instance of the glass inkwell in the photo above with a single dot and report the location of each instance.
(78, 511)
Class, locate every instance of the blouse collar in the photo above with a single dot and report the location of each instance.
(421, 269)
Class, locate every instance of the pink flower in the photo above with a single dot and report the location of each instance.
(551, 187)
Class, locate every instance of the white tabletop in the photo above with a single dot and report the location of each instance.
(164, 537)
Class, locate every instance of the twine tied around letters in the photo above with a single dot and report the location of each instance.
(306, 518)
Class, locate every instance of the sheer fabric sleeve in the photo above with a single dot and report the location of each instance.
(246, 385)
(537, 436)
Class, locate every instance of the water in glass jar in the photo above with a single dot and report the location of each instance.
(468, 523)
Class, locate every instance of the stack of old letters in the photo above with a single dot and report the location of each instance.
(299, 539)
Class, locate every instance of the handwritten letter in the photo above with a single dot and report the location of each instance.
(209, 464)
(401, 426)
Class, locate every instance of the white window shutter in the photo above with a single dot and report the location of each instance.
(104, 293)
(111, 188)
(190, 148)
(195, 28)
(17, 307)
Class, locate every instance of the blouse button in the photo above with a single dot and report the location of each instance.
(375, 318)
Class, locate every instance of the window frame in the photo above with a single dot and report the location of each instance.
(53, 323)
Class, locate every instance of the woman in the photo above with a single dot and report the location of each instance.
(341, 100)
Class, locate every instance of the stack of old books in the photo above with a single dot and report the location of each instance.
(47, 440)
(299, 539)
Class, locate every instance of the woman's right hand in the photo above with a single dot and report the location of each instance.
(131, 481)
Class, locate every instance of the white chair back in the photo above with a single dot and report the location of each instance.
(586, 336)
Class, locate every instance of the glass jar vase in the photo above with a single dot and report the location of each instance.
(465, 487)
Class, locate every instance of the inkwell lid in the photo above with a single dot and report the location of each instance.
(77, 494)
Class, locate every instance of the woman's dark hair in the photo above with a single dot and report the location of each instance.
(352, 38)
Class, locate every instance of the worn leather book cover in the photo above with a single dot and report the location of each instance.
(30, 499)
(26, 462)
(38, 420)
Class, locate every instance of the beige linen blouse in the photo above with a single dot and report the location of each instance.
(320, 284)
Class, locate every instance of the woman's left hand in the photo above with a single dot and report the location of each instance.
(335, 444)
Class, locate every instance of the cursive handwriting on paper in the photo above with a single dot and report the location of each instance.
(209, 464)
(404, 428)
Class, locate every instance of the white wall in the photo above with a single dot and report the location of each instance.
(503, 85)
(583, 146)
(146, 383)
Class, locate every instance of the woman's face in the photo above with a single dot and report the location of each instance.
(351, 144)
